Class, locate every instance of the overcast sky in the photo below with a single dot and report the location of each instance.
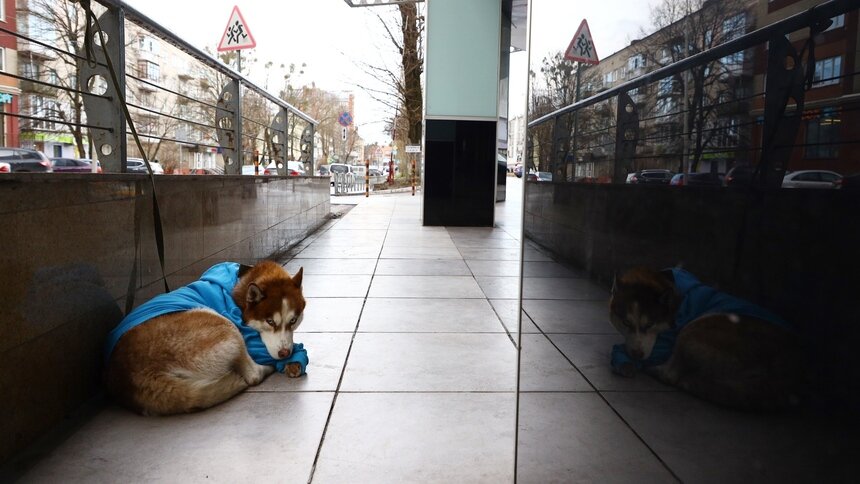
(334, 39)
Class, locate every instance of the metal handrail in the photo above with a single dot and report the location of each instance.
(818, 13)
(145, 21)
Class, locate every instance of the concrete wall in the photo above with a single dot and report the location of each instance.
(793, 251)
(68, 249)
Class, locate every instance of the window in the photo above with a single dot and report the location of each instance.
(733, 27)
(665, 87)
(149, 70)
(837, 22)
(58, 151)
(636, 62)
(147, 44)
(666, 105)
(30, 70)
(827, 72)
(610, 77)
(822, 137)
(3, 59)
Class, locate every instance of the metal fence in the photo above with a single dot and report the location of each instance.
(780, 98)
(191, 112)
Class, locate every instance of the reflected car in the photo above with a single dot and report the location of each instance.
(739, 175)
(650, 177)
(518, 171)
(137, 165)
(697, 179)
(812, 179)
(22, 160)
(72, 165)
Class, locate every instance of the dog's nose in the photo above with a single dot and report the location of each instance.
(285, 352)
(637, 354)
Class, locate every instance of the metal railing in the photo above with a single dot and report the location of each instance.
(749, 113)
(191, 112)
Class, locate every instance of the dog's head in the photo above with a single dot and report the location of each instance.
(272, 303)
(642, 305)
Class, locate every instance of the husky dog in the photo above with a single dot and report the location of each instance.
(709, 343)
(201, 344)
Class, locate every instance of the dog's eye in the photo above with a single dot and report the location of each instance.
(271, 322)
(293, 321)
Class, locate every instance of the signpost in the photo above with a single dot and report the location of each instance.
(236, 36)
(581, 49)
(413, 149)
(345, 119)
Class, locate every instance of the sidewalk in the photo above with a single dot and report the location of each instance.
(411, 334)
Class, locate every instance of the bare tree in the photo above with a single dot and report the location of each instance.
(684, 28)
(61, 24)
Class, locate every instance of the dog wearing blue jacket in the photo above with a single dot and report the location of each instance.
(714, 345)
(203, 343)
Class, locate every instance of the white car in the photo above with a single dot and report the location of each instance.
(137, 165)
(812, 179)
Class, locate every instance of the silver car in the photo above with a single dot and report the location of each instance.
(812, 179)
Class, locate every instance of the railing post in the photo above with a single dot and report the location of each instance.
(104, 109)
(626, 137)
(228, 123)
(785, 75)
(278, 140)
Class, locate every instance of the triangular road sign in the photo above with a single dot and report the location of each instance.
(237, 35)
(581, 48)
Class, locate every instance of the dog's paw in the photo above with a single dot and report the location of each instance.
(626, 370)
(258, 374)
(293, 370)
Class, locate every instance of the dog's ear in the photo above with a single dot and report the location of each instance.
(254, 294)
(243, 269)
(297, 279)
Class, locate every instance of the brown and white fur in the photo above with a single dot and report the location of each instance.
(192, 360)
(729, 359)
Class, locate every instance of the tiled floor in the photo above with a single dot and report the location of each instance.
(411, 335)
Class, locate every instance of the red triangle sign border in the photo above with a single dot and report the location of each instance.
(248, 45)
(586, 60)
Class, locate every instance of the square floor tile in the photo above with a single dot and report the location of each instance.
(507, 310)
(330, 314)
(326, 357)
(562, 288)
(591, 354)
(325, 285)
(315, 251)
(425, 287)
(220, 444)
(576, 437)
(566, 316)
(389, 252)
(507, 287)
(510, 268)
(422, 267)
(332, 266)
(544, 368)
(453, 362)
(397, 438)
(702, 442)
(429, 316)
(549, 269)
(486, 242)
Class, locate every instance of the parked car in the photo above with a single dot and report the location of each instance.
(539, 176)
(323, 170)
(650, 177)
(739, 175)
(137, 165)
(849, 182)
(295, 168)
(706, 179)
(72, 165)
(5, 168)
(518, 171)
(22, 160)
(812, 179)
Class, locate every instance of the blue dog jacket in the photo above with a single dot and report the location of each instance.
(698, 300)
(213, 291)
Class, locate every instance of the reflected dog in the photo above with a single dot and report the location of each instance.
(714, 345)
(201, 344)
